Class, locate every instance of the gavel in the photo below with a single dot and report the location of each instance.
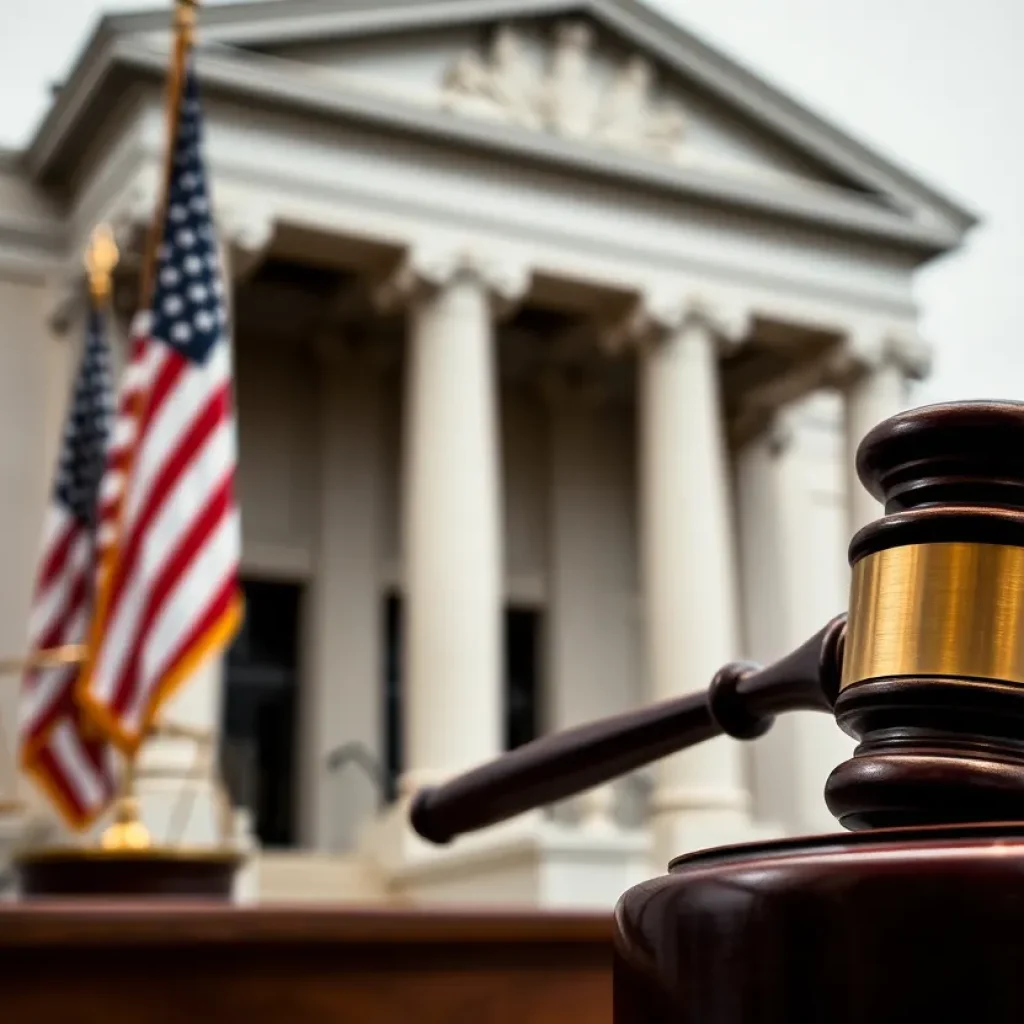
(916, 912)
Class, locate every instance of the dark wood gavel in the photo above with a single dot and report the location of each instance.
(742, 702)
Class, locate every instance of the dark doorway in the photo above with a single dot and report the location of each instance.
(523, 684)
(522, 675)
(258, 745)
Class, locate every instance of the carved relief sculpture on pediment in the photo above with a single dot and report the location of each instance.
(505, 86)
(562, 95)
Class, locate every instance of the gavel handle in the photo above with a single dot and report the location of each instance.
(741, 702)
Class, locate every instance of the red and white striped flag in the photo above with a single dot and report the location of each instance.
(73, 763)
(169, 597)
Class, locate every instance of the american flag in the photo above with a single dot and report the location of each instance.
(169, 595)
(73, 763)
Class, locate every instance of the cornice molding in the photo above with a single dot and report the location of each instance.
(33, 234)
(248, 231)
(276, 83)
(286, 22)
(31, 248)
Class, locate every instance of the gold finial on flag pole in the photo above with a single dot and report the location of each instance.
(128, 832)
(101, 259)
(185, 17)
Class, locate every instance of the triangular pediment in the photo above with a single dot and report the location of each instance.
(571, 78)
(631, 93)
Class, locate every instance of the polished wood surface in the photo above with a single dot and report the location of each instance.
(873, 927)
(118, 962)
(947, 454)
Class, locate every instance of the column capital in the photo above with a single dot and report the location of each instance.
(248, 230)
(867, 348)
(70, 300)
(657, 314)
(424, 270)
(133, 211)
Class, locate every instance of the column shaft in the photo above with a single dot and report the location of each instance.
(689, 578)
(452, 535)
(341, 702)
(793, 538)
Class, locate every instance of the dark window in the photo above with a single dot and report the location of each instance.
(522, 681)
(258, 746)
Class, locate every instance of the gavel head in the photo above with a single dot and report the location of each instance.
(933, 657)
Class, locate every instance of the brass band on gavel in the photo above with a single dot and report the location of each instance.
(951, 610)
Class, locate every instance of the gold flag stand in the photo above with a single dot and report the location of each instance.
(126, 861)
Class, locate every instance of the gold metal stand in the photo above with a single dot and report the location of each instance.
(127, 861)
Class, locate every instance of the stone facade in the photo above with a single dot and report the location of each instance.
(572, 315)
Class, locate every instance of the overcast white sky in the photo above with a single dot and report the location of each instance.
(936, 84)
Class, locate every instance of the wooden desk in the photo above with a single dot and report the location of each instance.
(119, 963)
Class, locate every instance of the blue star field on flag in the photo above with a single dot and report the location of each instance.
(188, 309)
(87, 428)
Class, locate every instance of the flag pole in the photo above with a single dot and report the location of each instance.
(127, 831)
(184, 34)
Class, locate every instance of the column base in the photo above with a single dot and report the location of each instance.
(529, 862)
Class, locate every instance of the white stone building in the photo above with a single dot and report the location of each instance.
(555, 331)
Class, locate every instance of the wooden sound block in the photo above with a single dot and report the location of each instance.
(885, 926)
(152, 873)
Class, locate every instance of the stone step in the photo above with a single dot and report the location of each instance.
(301, 876)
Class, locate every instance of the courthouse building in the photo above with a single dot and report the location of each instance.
(555, 330)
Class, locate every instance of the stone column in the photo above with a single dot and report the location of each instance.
(452, 530)
(687, 561)
(592, 633)
(341, 703)
(878, 388)
(790, 485)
